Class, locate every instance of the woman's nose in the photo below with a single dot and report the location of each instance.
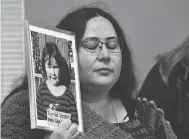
(104, 53)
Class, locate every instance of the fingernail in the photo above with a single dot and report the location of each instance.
(144, 99)
(151, 101)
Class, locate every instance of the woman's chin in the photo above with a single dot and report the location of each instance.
(105, 81)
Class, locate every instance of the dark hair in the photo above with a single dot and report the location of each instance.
(76, 22)
(51, 51)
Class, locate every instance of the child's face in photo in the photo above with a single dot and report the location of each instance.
(52, 71)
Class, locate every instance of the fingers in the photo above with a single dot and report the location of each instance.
(147, 109)
(139, 109)
(149, 114)
(66, 124)
(77, 134)
(146, 106)
(67, 130)
(168, 122)
(145, 102)
(160, 112)
(72, 129)
(143, 106)
(139, 101)
(152, 104)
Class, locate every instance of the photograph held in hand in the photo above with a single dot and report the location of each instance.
(53, 78)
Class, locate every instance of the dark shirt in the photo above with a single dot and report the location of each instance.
(173, 97)
(46, 100)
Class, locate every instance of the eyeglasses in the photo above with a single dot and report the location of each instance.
(95, 46)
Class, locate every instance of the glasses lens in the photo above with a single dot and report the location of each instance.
(94, 46)
(114, 46)
(91, 46)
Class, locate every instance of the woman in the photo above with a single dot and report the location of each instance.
(53, 92)
(107, 81)
(168, 85)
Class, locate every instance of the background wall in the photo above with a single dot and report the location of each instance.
(11, 46)
(152, 27)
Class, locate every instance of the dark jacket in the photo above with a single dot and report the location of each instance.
(172, 98)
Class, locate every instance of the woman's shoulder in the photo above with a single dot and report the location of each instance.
(17, 103)
(15, 115)
(16, 98)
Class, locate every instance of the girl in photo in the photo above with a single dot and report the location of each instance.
(53, 92)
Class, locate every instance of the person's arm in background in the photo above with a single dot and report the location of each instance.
(154, 88)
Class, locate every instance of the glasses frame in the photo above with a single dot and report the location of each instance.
(102, 43)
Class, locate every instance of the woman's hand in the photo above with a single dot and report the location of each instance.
(152, 120)
(148, 114)
(67, 130)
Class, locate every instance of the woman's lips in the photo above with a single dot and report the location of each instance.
(104, 70)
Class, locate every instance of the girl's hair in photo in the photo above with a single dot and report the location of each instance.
(167, 61)
(50, 51)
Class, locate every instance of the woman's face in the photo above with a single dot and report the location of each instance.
(52, 71)
(101, 68)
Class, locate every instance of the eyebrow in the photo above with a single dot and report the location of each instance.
(91, 38)
(111, 38)
(96, 38)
